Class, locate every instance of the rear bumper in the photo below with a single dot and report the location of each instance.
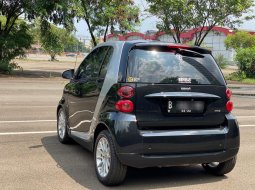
(146, 148)
(143, 161)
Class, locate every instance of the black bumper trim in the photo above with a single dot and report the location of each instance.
(142, 161)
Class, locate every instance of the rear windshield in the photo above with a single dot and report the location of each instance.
(151, 66)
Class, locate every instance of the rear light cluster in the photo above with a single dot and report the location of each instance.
(124, 105)
(126, 92)
(229, 105)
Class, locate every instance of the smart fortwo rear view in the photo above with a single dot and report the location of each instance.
(149, 104)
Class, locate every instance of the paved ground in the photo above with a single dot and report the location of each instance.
(38, 161)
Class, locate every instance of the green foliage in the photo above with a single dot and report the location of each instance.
(58, 12)
(237, 76)
(107, 15)
(13, 44)
(244, 44)
(240, 39)
(6, 67)
(14, 34)
(246, 61)
(174, 16)
(54, 40)
(66, 39)
(201, 15)
(221, 61)
(240, 77)
(74, 46)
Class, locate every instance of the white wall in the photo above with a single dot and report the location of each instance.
(166, 38)
(134, 38)
(215, 42)
(113, 39)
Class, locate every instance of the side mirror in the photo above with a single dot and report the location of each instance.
(68, 74)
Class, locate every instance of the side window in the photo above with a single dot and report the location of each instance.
(81, 72)
(90, 66)
(105, 64)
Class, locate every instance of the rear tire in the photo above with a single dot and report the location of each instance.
(62, 128)
(110, 171)
(222, 168)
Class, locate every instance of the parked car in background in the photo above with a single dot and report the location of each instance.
(71, 55)
(149, 104)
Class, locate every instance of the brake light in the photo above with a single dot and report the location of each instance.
(177, 46)
(229, 106)
(228, 93)
(125, 106)
(126, 92)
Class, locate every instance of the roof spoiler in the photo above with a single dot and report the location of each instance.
(151, 44)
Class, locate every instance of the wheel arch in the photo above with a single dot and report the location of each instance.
(100, 127)
(58, 108)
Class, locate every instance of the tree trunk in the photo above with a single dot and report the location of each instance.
(91, 33)
(106, 31)
(178, 36)
(53, 57)
(203, 38)
(200, 39)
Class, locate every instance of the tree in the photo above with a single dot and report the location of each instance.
(244, 45)
(208, 14)
(74, 45)
(240, 39)
(55, 39)
(246, 61)
(58, 11)
(174, 16)
(104, 15)
(13, 44)
(202, 15)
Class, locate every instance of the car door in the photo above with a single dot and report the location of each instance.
(84, 91)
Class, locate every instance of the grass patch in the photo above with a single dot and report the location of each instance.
(240, 77)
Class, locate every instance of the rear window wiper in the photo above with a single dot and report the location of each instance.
(189, 53)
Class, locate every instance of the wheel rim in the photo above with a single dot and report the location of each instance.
(61, 125)
(213, 164)
(103, 157)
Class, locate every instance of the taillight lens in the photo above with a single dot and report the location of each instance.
(125, 106)
(228, 93)
(126, 92)
(176, 46)
(229, 106)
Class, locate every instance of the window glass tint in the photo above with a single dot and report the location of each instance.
(91, 64)
(106, 62)
(146, 66)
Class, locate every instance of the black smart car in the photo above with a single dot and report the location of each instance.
(149, 104)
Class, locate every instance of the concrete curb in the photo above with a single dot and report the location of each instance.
(243, 90)
(243, 94)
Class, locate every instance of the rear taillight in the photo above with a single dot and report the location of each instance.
(229, 106)
(125, 106)
(176, 46)
(126, 92)
(228, 93)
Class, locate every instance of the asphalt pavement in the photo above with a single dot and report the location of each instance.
(32, 158)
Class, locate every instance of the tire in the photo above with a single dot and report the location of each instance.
(114, 171)
(222, 168)
(62, 129)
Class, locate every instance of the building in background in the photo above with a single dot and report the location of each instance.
(214, 40)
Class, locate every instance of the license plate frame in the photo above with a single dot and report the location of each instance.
(185, 106)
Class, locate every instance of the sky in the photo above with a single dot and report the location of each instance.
(148, 22)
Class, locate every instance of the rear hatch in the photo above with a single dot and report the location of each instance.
(177, 88)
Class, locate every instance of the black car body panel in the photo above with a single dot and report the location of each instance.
(151, 135)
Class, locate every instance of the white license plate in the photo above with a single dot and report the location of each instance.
(185, 106)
